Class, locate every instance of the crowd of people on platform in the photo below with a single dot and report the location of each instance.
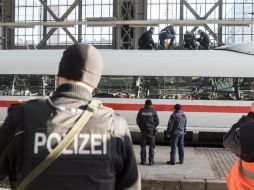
(167, 40)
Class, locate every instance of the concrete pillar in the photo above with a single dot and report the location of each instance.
(116, 30)
(124, 10)
(1, 38)
(181, 18)
(45, 18)
(125, 36)
(140, 14)
(1, 20)
(9, 16)
(220, 43)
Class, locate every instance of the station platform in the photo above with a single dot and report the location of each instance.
(203, 169)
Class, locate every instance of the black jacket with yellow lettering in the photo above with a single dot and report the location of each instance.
(100, 157)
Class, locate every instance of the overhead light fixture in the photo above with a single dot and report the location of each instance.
(100, 25)
(100, 22)
(21, 26)
(237, 24)
(143, 25)
(59, 24)
(101, 19)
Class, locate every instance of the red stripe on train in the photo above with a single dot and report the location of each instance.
(7, 103)
(185, 108)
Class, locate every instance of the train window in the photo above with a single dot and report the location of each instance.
(205, 88)
(117, 87)
(27, 85)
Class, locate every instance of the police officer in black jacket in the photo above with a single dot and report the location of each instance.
(203, 40)
(147, 120)
(101, 155)
(146, 40)
(167, 33)
(189, 40)
(240, 137)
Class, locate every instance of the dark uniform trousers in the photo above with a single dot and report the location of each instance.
(177, 140)
(176, 129)
(149, 139)
(147, 120)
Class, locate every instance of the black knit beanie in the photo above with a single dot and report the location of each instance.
(178, 107)
(148, 102)
(81, 62)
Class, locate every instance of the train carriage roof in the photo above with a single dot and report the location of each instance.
(217, 63)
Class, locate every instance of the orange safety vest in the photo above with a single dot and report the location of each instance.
(241, 176)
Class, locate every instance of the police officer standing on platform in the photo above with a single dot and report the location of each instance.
(147, 120)
(176, 129)
(100, 155)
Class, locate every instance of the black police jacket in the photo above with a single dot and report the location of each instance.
(239, 139)
(177, 123)
(167, 32)
(189, 39)
(146, 40)
(204, 39)
(147, 119)
(101, 156)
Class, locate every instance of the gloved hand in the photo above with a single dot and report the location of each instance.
(155, 131)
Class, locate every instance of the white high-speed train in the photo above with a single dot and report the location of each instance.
(214, 87)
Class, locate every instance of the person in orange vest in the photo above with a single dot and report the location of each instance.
(240, 140)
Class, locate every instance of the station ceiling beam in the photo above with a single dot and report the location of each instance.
(61, 19)
(195, 14)
(134, 23)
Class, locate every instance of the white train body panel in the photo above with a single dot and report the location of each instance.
(197, 121)
(217, 63)
(220, 115)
